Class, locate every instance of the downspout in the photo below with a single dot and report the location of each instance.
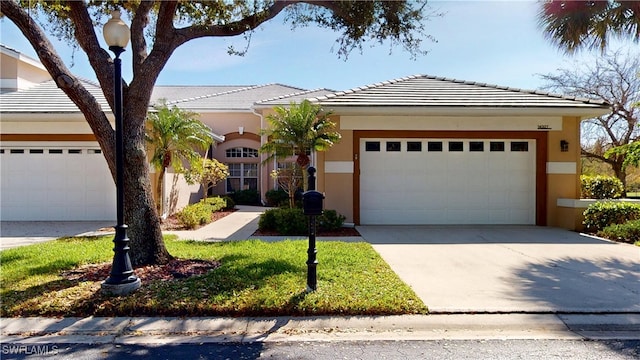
(262, 157)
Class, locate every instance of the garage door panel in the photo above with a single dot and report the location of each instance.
(55, 183)
(467, 187)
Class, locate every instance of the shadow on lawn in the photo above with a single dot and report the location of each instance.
(227, 290)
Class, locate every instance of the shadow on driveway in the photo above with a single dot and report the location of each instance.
(471, 234)
(510, 269)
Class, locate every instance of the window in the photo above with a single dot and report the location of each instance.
(476, 146)
(414, 146)
(95, 151)
(519, 146)
(496, 146)
(243, 152)
(242, 176)
(434, 146)
(16, 151)
(36, 151)
(55, 151)
(372, 146)
(456, 146)
(75, 151)
(393, 146)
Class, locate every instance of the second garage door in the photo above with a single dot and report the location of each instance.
(55, 182)
(447, 181)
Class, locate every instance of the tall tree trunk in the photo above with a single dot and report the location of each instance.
(145, 234)
(159, 194)
(621, 173)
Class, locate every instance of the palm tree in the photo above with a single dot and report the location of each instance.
(175, 135)
(575, 24)
(297, 131)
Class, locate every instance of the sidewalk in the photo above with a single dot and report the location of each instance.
(496, 324)
(128, 330)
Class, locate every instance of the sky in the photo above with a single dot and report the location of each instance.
(494, 42)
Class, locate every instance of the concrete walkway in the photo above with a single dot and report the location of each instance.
(480, 282)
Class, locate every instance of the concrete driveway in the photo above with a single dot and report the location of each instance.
(19, 233)
(503, 269)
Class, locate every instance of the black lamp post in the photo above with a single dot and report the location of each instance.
(121, 280)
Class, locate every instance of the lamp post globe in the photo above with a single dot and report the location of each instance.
(121, 280)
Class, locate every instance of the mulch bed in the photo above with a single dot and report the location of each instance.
(178, 268)
(342, 232)
(175, 269)
(172, 222)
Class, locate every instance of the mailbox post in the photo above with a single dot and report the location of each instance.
(312, 207)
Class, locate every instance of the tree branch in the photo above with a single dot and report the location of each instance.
(234, 28)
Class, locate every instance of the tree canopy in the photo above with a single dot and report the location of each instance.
(576, 24)
(614, 79)
(158, 28)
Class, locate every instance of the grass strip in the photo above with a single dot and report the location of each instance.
(255, 278)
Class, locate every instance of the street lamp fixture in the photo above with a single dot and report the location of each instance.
(121, 280)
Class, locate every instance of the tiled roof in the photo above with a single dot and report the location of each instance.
(231, 98)
(431, 91)
(294, 97)
(47, 97)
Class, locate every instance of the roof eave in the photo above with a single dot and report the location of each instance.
(582, 112)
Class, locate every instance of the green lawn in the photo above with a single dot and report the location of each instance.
(255, 279)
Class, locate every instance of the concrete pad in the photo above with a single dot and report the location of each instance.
(511, 268)
(20, 233)
(238, 226)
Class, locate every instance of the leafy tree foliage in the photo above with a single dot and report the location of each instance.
(206, 172)
(158, 28)
(298, 130)
(614, 79)
(575, 24)
(174, 136)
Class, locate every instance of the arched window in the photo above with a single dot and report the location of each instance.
(242, 175)
(242, 152)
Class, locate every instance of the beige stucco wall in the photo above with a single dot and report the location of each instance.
(18, 72)
(338, 186)
(563, 172)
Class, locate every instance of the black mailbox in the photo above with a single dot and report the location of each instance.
(312, 202)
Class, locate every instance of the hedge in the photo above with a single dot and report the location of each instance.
(293, 221)
(628, 232)
(605, 213)
(601, 187)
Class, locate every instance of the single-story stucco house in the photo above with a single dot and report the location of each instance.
(415, 150)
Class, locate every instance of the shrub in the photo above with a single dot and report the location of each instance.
(605, 213)
(287, 221)
(601, 187)
(246, 197)
(276, 198)
(229, 203)
(216, 203)
(628, 232)
(194, 215)
(330, 220)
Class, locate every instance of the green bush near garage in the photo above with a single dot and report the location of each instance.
(601, 187)
(246, 197)
(605, 213)
(287, 221)
(277, 198)
(628, 232)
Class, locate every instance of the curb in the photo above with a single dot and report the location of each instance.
(157, 330)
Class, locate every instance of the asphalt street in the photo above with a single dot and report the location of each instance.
(441, 349)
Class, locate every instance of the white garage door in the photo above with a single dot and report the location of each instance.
(55, 183)
(447, 181)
